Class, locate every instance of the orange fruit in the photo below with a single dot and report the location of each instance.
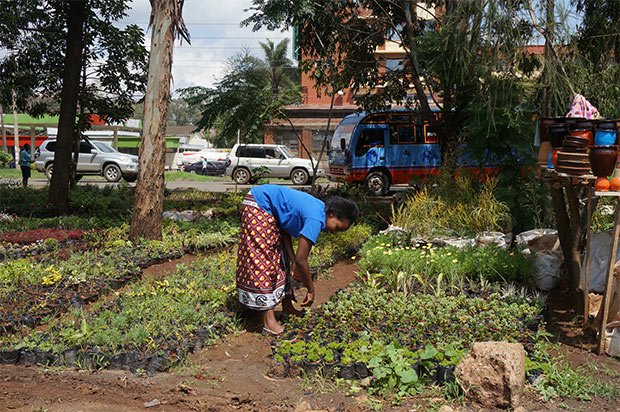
(615, 184)
(602, 184)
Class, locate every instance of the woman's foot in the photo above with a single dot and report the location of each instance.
(270, 324)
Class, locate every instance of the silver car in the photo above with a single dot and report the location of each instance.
(95, 158)
(249, 162)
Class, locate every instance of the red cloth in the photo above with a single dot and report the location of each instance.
(261, 279)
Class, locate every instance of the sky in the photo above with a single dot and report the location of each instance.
(215, 36)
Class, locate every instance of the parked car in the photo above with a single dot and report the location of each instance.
(189, 157)
(248, 162)
(214, 168)
(95, 158)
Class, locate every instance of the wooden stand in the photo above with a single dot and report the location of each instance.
(607, 293)
(571, 223)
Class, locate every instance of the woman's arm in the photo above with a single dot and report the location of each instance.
(302, 269)
(288, 247)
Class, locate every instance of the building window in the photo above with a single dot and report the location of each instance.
(394, 65)
(393, 34)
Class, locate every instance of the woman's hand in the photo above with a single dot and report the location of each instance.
(297, 276)
(309, 300)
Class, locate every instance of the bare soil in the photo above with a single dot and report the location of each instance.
(236, 375)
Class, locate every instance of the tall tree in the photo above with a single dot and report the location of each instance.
(59, 186)
(108, 66)
(167, 24)
(250, 95)
(456, 63)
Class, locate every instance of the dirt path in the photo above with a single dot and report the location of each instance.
(233, 375)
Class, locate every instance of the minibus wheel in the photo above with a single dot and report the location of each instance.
(377, 183)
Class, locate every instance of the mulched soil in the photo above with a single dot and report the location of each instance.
(236, 375)
(31, 236)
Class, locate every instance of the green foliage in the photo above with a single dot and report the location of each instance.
(5, 158)
(371, 326)
(103, 202)
(149, 315)
(452, 207)
(368, 314)
(401, 266)
(223, 204)
(393, 374)
(528, 197)
(331, 247)
(559, 380)
(116, 56)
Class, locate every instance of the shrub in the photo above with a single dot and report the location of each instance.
(459, 207)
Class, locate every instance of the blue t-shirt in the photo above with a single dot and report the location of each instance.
(24, 158)
(298, 213)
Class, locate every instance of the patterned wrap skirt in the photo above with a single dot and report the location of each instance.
(262, 264)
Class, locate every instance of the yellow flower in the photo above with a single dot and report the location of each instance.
(53, 276)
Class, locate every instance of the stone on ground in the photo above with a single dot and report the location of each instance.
(493, 374)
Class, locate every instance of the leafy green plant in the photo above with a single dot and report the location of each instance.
(559, 380)
(393, 374)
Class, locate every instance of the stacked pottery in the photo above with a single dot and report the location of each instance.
(603, 160)
(573, 158)
(574, 164)
(583, 129)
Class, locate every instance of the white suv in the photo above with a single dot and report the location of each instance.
(95, 158)
(248, 162)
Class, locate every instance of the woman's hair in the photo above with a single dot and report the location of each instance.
(26, 146)
(343, 209)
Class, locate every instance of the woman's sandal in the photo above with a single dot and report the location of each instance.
(268, 332)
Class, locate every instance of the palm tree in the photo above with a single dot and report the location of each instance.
(167, 23)
(279, 66)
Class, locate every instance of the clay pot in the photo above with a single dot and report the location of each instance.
(545, 122)
(572, 122)
(543, 152)
(584, 124)
(605, 137)
(554, 157)
(608, 124)
(585, 134)
(556, 134)
(603, 160)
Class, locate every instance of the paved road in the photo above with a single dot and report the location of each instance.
(223, 185)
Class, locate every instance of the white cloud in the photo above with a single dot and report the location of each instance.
(216, 36)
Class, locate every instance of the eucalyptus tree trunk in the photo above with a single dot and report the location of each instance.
(149, 196)
(4, 146)
(59, 186)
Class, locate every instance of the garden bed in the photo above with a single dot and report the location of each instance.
(36, 289)
(150, 326)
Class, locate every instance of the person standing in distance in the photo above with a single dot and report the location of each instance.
(271, 216)
(24, 163)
